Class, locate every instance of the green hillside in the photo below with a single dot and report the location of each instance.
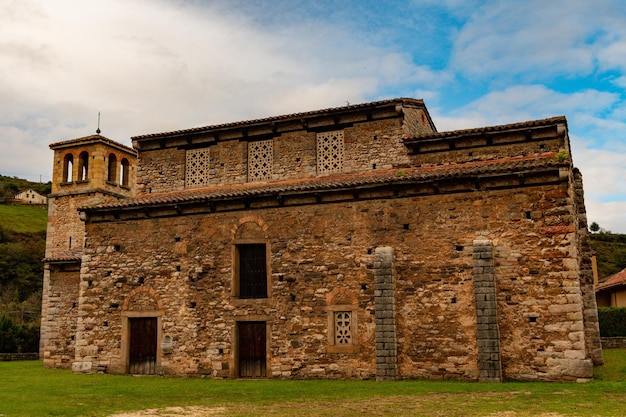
(23, 219)
(610, 251)
(22, 247)
(10, 186)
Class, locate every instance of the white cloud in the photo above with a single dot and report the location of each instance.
(610, 216)
(528, 102)
(157, 66)
(540, 39)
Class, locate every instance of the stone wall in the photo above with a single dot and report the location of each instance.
(59, 315)
(318, 250)
(613, 342)
(6, 357)
(368, 146)
(66, 232)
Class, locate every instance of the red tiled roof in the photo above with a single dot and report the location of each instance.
(395, 176)
(490, 129)
(613, 281)
(283, 117)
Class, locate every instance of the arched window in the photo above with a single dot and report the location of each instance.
(250, 262)
(68, 167)
(124, 172)
(112, 173)
(83, 166)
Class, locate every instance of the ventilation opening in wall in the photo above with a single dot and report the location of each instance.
(459, 248)
(405, 226)
(527, 214)
(532, 319)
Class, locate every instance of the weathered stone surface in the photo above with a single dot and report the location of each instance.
(460, 258)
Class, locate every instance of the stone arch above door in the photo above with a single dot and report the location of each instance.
(250, 227)
(142, 298)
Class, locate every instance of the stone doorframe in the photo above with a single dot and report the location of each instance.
(126, 315)
(234, 358)
(142, 302)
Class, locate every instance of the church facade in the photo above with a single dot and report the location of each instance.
(353, 242)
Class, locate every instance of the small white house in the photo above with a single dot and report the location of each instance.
(31, 196)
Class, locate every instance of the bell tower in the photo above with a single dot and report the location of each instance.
(86, 171)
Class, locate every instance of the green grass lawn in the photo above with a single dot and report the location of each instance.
(27, 389)
(24, 219)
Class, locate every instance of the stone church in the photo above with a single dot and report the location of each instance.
(347, 243)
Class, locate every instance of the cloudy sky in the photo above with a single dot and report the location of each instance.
(157, 65)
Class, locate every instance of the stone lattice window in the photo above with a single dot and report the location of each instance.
(330, 152)
(260, 160)
(197, 172)
(343, 328)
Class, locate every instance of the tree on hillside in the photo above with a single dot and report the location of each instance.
(594, 227)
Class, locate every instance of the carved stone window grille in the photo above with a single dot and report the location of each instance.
(330, 152)
(343, 328)
(260, 160)
(198, 168)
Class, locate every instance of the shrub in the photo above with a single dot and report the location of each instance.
(16, 338)
(612, 321)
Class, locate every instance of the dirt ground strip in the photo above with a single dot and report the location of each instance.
(175, 412)
(222, 411)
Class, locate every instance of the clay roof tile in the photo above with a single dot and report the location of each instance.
(613, 281)
(394, 176)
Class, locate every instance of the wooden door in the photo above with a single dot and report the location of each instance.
(252, 349)
(143, 345)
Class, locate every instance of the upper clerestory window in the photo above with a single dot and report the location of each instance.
(330, 147)
(260, 160)
(198, 168)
